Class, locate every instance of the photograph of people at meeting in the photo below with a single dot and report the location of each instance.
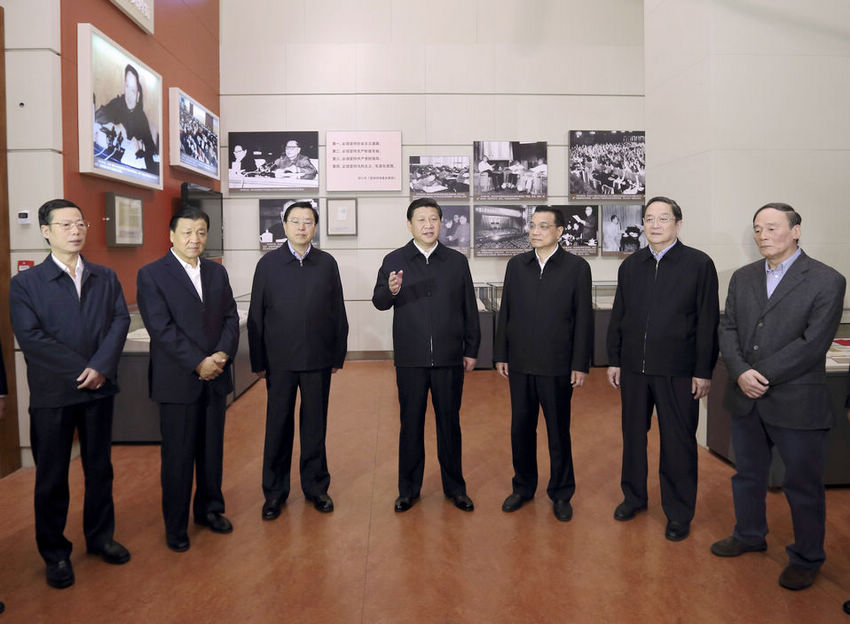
(510, 170)
(604, 165)
(441, 177)
(581, 230)
(501, 230)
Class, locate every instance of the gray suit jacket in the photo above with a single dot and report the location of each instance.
(785, 338)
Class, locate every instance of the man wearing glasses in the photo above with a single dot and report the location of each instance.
(71, 321)
(293, 164)
(298, 337)
(435, 341)
(543, 346)
(662, 348)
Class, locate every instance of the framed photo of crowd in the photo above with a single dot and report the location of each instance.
(501, 230)
(440, 177)
(622, 229)
(273, 161)
(119, 101)
(193, 135)
(510, 170)
(607, 164)
(272, 234)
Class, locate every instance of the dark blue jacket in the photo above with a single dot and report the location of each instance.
(183, 329)
(435, 317)
(297, 319)
(62, 334)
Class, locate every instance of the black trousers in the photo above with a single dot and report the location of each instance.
(803, 452)
(528, 394)
(446, 386)
(52, 435)
(192, 442)
(678, 415)
(315, 387)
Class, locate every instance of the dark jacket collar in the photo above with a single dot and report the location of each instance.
(411, 251)
(557, 257)
(674, 252)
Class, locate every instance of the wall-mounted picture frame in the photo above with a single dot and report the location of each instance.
(440, 177)
(455, 229)
(607, 164)
(581, 229)
(342, 216)
(368, 160)
(510, 170)
(273, 161)
(140, 11)
(119, 102)
(622, 230)
(125, 221)
(193, 135)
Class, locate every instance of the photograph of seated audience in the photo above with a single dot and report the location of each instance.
(439, 177)
(455, 230)
(606, 164)
(622, 230)
(198, 137)
(287, 161)
(272, 233)
(510, 170)
(501, 230)
(581, 229)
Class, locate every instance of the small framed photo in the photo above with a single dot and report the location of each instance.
(124, 221)
(342, 217)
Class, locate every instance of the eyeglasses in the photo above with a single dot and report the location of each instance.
(543, 227)
(662, 220)
(66, 226)
(305, 222)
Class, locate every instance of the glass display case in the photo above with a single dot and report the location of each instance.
(603, 294)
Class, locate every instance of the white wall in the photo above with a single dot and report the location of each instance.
(445, 73)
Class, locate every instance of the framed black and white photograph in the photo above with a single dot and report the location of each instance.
(501, 230)
(272, 233)
(193, 135)
(607, 164)
(455, 231)
(273, 161)
(622, 229)
(124, 218)
(119, 112)
(342, 216)
(440, 177)
(510, 170)
(581, 229)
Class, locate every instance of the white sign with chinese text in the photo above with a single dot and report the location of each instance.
(363, 161)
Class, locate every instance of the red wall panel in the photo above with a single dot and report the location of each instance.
(184, 50)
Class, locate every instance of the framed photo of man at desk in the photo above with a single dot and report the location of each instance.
(119, 102)
(273, 161)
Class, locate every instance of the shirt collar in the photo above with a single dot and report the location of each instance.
(65, 269)
(661, 253)
(784, 265)
(427, 254)
(295, 253)
(185, 264)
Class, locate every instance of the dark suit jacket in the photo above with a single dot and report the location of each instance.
(62, 334)
(183, 329)
(297, 319)
(664, 319)
(785, 338)
(435, 318)
(545, 321)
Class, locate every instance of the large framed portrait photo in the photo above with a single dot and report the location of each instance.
(119, 112)
(193, 135)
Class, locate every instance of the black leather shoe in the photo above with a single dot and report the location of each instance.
(625, 511)
(60, 574)
(514, 502)
(403, 503)
(271, 509)
(733, 547)
(215, 522)
(797, 577)
(462, 502)
(677, 531)
(563, 510)
(322, 503)
(178, 543)
(113, 553)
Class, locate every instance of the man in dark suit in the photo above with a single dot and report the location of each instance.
(435, 340)
(189, 312)
(543, 346)
(781, 317)
(298, 334)
(71, 321)
(662, 348)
